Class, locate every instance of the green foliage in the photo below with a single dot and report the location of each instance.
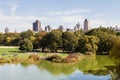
(37, 43)
(97, 31)
(104, 34)
(2, 36)
(88, 44)
(63, 41)
(27, 34)
(79, 33)
(11, 39)
(118, 33)
(52, 40)
(115, 51)
(69, 41)
(26, 45)
(106, 43)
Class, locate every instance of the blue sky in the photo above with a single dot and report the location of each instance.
(20, 14)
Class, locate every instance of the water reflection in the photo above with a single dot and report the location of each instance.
(57, 68)
(95, 66)
(87, 69)
(115, 70)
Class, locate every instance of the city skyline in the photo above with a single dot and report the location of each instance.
(20, 14)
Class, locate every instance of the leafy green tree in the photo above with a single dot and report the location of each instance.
(10, 38)
(27, 34)
(69, 41)
(2, 36)
(118, 33)
(115, 51)
(37, 43)
(26, 45)
(52, 40)
(79, 33)
(97, 31)
(104, 34)
(88, 44)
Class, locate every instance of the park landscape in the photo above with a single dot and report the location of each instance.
(94, 52)
(59, 40)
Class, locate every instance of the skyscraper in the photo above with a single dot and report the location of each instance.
(86, 25)
(37, 26)
(60, 28)
(47, 28)
(6, 30)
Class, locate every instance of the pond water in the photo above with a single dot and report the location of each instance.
(87, 69)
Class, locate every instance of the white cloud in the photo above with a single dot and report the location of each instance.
(69, 12)
(13, 8)
(68, 19)
(20, 23)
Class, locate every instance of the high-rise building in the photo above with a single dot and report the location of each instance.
(48, 28)
(6, 30)
(37, 26)
(86, 25)
(60, 28)
(78, 26)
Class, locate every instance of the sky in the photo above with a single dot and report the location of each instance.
(20, 14)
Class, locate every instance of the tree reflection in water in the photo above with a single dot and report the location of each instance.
(94, 66)
(115, 70)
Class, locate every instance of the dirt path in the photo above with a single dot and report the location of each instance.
(9, 46)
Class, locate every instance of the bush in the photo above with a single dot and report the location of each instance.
(71, 58)
(2, 60)
(15, 59)
(26, 45)
(35, 57)
(54, 58)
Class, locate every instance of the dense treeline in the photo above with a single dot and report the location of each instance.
(99, 40)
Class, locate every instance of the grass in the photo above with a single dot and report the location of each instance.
(8, 53)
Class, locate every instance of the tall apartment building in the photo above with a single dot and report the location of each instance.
(37, 26)
(86, 25)
(6, 30)
(60, 28)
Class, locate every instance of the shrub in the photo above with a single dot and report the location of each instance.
(15, 59)
(2, 60)
(26, 45)
(71, 58)
(54, 58)
(35, 57)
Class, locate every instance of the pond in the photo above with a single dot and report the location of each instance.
(87, 69)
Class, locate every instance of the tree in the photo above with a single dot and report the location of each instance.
(69, 41)
(2, 36)
(79, 33)
(27, 34)
(26, 45)
(88, 44)
(118, 33)
(10, 38)
(37, 43)
(52, 40)
(97, 31)
(104, 34)
(115, 51)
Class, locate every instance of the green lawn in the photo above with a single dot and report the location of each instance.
(9, 51)
(9, 55)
